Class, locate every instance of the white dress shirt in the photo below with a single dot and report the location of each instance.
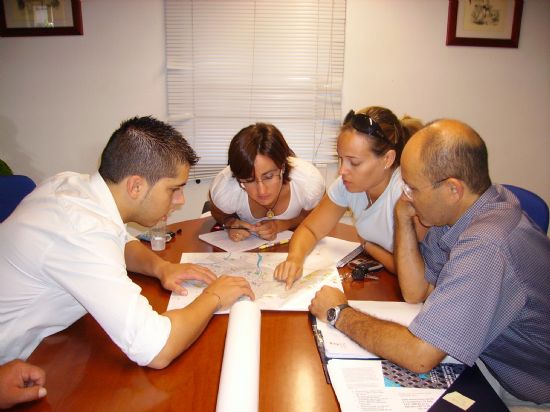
(61, 256)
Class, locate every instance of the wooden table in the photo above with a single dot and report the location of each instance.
(87, 372)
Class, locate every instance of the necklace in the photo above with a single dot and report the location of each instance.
(270, 214)
(369, 201)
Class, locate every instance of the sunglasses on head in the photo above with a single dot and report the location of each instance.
(364, 124)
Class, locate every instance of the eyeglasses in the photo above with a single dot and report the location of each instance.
(408, 191)
(267, 179)
(364, 124)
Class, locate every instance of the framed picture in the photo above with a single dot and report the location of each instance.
(40, 18)
(486, 23)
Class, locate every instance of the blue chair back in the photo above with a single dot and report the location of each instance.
(532, 204)
(12, 190)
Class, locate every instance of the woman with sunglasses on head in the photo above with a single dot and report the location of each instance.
(265, 189)
(369, 147)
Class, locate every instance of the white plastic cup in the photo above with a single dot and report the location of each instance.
(158, 235)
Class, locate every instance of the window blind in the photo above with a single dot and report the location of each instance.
(231, 63)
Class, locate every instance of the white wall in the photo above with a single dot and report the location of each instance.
(61, 97)
(396, 56)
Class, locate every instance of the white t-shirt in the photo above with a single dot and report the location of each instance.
(307, 187)
(61, 256)
(374, 223)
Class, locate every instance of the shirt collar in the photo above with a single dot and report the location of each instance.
(106, 198)
(450, 237)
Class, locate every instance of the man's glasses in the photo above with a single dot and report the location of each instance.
(267, 179)
(409, 191)
(364, 124)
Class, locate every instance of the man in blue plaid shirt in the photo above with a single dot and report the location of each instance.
(482, 271)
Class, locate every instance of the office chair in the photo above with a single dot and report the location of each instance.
(532, 204)
(206, 207)
(13, 189)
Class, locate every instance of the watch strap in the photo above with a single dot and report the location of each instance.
(338, 309)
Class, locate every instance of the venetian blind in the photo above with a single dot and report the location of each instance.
(231, 63)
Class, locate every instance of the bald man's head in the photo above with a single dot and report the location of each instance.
(449, 148)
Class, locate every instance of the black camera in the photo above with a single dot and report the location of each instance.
(364, 268)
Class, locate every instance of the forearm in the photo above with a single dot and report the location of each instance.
(187, 324)
(302, 243)
(221, 217)
(409, 262)
(139, 258)
(389, 340)
(314, 227)
(381, 255)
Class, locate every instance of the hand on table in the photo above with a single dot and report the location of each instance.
(327, 297)
(173, 274)
(288, 271)
(267, 229)
(20, 382)
(239, 230)
(228, 289)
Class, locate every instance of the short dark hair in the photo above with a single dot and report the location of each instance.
(258, 138)
(390, 125)
(447, 153)
(146, 147)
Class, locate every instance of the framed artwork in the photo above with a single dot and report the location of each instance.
(485, 23)
(40, 18)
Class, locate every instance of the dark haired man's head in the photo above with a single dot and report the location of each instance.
(146, 147)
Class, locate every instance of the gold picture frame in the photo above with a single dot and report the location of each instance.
(40, 18)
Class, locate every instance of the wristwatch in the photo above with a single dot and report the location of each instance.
(334, 313)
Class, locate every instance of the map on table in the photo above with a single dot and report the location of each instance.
(258, 269)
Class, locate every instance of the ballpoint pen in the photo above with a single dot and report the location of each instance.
(237, 227)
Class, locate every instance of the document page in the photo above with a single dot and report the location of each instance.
(380, 385)
(343, 251)
(221, 239)
(258, 268)
(338, 345)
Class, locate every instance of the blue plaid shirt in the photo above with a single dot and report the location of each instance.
(491, 272)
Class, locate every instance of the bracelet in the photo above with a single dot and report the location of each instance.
(218, 306)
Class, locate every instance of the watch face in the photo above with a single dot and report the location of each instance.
(331, 314)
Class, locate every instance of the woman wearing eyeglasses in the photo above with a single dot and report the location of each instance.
(369, 147)
(265, 189)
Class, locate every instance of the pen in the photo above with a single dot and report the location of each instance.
(271, 244)
(252, 232)
(237, 227)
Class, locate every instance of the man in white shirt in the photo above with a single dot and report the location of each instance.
(65, 252)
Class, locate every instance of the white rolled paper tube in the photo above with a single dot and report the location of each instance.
(240, 377)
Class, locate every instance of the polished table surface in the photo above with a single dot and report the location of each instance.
(86, 371)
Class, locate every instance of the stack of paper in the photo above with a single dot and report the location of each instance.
(221, 240)
(380, 385)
